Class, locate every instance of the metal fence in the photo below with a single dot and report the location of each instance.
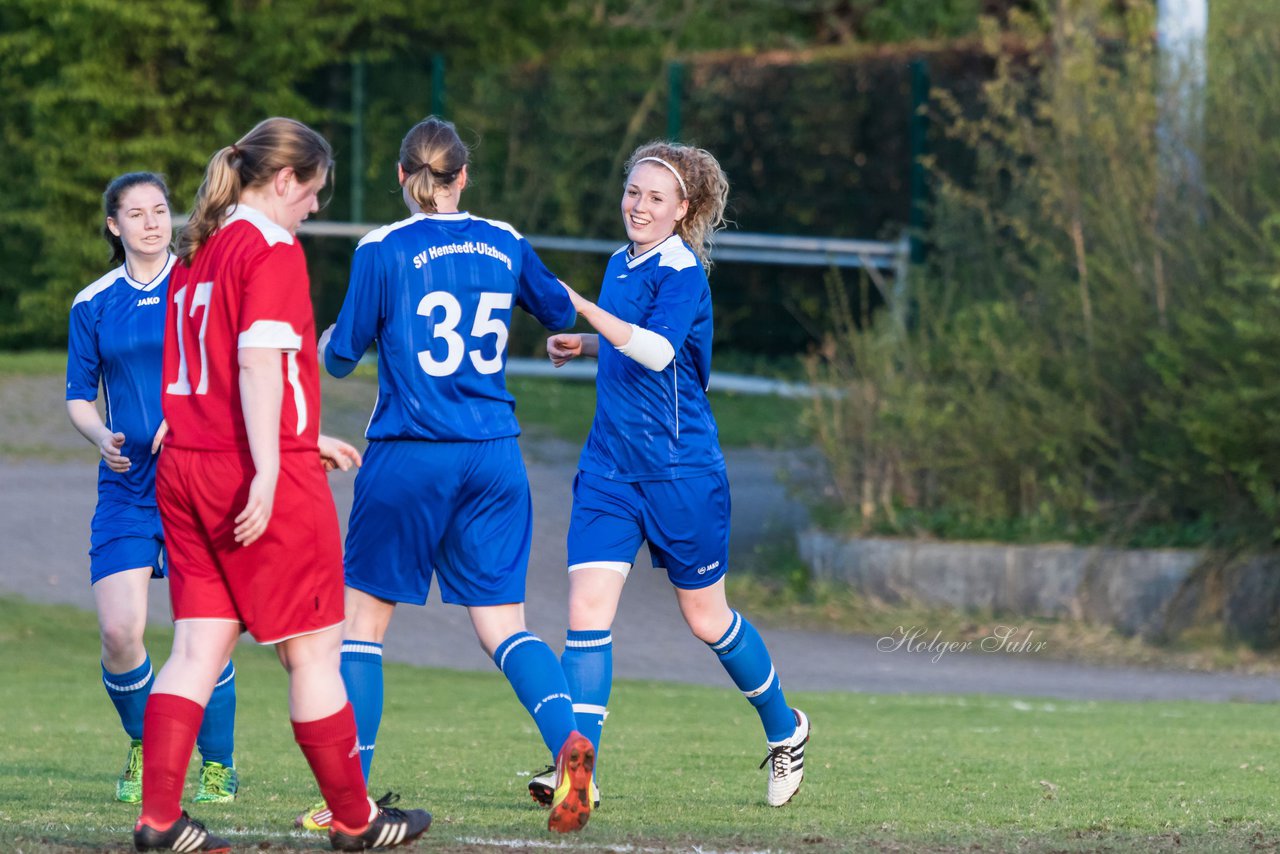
(874, 256)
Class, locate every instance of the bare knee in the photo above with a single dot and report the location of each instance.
(121, 643)
(593, 598)
(708, 626)
(705, 611)
(589, 613)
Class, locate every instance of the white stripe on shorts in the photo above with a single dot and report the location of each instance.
(620, 566)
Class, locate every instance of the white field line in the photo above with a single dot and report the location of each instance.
(596, 846)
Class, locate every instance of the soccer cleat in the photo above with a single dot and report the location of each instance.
(786, 763)
(218, 784)
(542, 788)
(571, 800)
(390, 828)
(186, 834)
(318, 818)
(129, 786)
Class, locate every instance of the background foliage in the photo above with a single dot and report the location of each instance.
(1088, 353)
(1093, 347)
(552, 95)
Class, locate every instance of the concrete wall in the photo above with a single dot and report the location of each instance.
(1150, 592)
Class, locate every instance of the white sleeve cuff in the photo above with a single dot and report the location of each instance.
(648, 348)
(272, 334)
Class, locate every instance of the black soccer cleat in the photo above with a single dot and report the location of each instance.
(185, 835)
(390, 828)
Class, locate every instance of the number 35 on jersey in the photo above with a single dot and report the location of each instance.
(443, 308)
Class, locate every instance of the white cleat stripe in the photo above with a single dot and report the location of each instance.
(189, 840)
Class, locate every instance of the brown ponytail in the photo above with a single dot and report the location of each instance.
(432, 156)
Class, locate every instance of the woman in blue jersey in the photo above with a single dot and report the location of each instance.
(116, 335)
(443, 491)
(652, 469)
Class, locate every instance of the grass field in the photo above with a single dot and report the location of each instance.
(886, 773)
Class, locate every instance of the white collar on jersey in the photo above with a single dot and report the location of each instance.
(270, 230)
(155, 282)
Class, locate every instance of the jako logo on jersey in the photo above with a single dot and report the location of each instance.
(703, 570)
(148, 301)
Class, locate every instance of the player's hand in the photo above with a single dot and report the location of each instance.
(580, 303)
(337, 454)
(110, 447)
(564, 347)
(323, 343)
(252, 521)
(158, 439)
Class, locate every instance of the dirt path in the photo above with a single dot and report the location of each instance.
(47, 478)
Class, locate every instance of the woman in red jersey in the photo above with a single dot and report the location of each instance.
(249, 521)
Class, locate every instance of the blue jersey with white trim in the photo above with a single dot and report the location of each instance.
(437, 291)
(116, 336)
(655, 425)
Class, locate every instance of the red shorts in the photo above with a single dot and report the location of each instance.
(288, 582)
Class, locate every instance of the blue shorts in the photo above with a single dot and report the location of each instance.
(685, 521)
(458, 510)
(125, 536)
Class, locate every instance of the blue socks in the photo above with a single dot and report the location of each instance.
(217, 736)
(744, 656)
(588, 668)
(533, 671)
(362, 674)
(128, 692)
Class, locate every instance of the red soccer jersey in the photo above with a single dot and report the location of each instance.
(246, 287)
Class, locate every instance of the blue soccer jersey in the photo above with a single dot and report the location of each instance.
(436, 291)
(117, 336)
(655, 425)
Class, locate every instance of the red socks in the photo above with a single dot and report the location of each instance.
(330, 746)
(169, 728)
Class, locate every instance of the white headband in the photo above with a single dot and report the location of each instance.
(683, 188)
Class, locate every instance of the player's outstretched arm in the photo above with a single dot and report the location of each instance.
(648, 348)
(337, 454)
(84, 415)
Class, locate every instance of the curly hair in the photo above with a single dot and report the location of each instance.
(705, 187)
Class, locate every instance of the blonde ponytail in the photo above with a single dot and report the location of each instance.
(218, 192)
(252, 161)
(432, 156)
